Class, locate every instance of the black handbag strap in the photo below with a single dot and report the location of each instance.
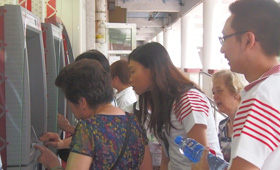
(128, 131)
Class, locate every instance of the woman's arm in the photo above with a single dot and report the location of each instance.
(164, 161)
(66, 143)
(64, 124)
(47, 158)
(147, 161)
(53, 139)
(199, 133)
(78, 161)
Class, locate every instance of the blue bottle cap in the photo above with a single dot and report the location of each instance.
(178, 139)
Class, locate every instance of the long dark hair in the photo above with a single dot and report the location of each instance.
(169, 84)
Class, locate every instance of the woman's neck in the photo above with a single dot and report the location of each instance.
(98, 109)
(230, 127)
(106, 109)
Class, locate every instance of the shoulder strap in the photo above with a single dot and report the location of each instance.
(128, 131)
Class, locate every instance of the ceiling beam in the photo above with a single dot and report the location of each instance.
(149, 29)
(173, 17)
(143, 22)
(145, 34)
(142, 38)
(150, 6)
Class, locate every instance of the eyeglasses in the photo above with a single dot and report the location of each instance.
(222, 39)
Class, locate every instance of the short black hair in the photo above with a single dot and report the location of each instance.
(95, 55)
(85, 78)
(262, 17)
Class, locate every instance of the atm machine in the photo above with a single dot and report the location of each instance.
(23, 87)
(64, 56)
(69, 58)
(54, 57)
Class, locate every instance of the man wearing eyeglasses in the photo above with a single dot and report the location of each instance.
(251, 44)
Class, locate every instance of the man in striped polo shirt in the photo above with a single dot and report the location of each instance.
(251, 44)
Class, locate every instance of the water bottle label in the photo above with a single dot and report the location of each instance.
(191, 144)
(193, 150)
(156, 159)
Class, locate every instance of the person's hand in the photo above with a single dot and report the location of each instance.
(203, 163)
(47, 158)
(64, 124)
(52, 139)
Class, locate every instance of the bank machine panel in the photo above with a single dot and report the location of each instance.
(23, 90)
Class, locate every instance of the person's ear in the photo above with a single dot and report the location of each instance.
(250, 39)
(116, 78)
(83, 102)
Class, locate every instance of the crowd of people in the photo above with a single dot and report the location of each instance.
(111, 133)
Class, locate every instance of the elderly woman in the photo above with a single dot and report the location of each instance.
(226, 93)
(106, 137)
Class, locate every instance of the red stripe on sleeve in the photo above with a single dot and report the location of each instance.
(261, 120)
(258, 139)
(256, 132)
(189, 102)
(261, 103)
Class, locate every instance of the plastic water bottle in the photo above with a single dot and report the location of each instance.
(193, 151)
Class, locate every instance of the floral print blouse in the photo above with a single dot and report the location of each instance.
(224, 139)
(102, 138)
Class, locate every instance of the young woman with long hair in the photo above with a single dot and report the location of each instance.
(178, 107)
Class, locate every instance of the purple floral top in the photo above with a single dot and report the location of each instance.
(102, 137)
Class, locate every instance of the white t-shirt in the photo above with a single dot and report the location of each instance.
(194, 108)
(256, 131)
(126, 97)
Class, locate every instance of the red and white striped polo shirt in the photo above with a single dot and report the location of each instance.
(256, 131)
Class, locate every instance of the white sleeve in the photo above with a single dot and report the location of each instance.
(192, 109)
(256, 130)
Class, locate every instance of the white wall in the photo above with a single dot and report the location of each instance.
(72, 13)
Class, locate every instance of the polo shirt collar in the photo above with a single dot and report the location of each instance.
(273, 70)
